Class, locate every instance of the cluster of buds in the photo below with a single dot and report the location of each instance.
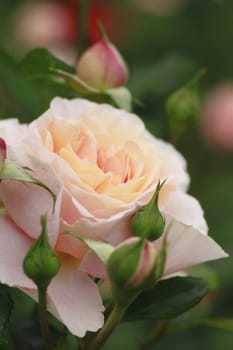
(133, 265)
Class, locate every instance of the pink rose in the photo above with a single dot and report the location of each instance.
(103, 165)
(217, 118)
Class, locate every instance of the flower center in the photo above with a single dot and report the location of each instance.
(117, 169)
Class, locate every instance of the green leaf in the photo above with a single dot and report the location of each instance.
(12, 171)
(168, 299)
(225, 323)
(38, 62)
(74, 82)
(161, 77)
(121, 97)
(6, 307)
(208, 273)
(220, 323)
(102, 249)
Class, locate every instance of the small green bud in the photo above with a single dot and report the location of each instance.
(183, 106)
(148, 222)
(41, 263)
(131, 268)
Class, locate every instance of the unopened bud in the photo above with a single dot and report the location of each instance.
(131, 266)
(183, 106)
(148, 222)
(101, 66)
(41, 263)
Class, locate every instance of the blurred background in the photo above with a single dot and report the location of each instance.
(164, 42)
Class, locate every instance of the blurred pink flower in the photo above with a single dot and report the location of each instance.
(54, 25)
(217, 118)
(41, 23)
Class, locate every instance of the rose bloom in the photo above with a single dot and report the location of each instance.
(217, 118)
(103, 165)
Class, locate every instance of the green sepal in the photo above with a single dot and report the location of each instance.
(73, 81)
(102, 249)
(11, 171)
(124, 261)
(41, 263)
(121, 97)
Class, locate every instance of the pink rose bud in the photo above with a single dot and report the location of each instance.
(217, 118)
(131, 267)
(2, 151)
(101, 66)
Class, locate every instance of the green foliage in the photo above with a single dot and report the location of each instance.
(6, 308)
(38, 63)
(168, 299)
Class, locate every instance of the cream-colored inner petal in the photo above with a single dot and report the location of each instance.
(109, 158)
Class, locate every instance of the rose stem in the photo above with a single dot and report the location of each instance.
(82, 25)
(43, 317)
(113, 320)
(156, 334)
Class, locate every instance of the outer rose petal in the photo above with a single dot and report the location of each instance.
(187, 247)
(175, 166)
(74, 299)
(12, 131)
(185, 208)
(14, 246)
(61, 108)
(26, 203)
(92, 264)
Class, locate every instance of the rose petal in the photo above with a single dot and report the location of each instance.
(93, 266)
(26, 203)
(187, 247)
(173, 164)
(74, 299)
(14, 245)
(12, 131)
(185, 208)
